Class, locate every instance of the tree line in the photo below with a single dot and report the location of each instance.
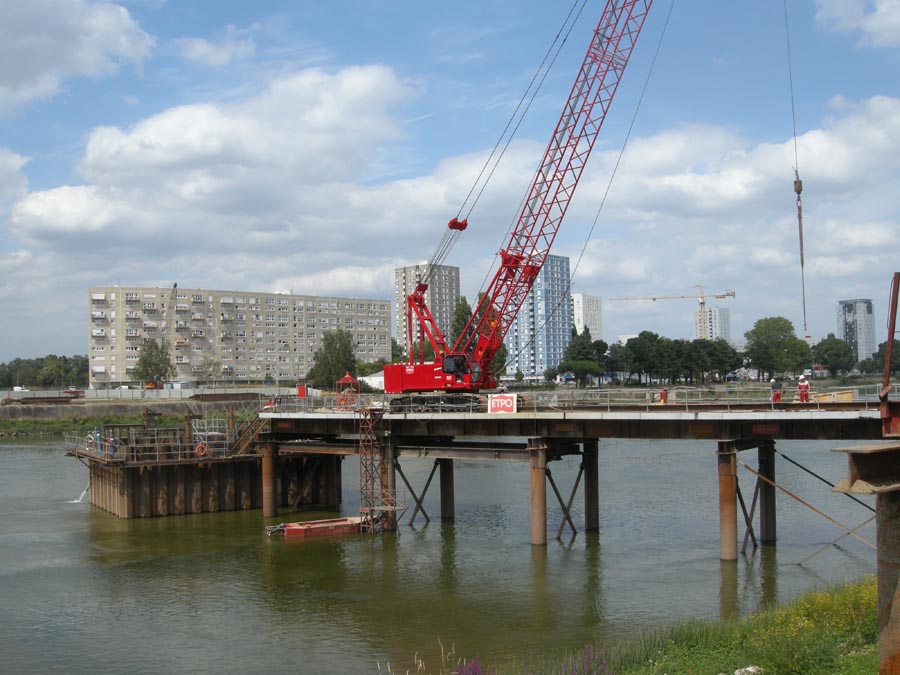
(773, 349)
(49, 372)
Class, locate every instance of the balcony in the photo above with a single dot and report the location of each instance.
(98, 332)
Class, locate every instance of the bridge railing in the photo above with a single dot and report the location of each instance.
(609, 398)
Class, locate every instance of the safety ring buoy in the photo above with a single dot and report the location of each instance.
(200, 450)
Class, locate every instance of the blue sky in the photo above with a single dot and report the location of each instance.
(315, 146)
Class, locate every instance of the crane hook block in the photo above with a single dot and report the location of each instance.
(798, 186)
(457, 224)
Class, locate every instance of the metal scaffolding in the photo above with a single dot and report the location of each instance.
(377, 502)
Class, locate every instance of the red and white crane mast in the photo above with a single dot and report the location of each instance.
(467, 365)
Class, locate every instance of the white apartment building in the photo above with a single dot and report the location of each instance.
(856, 327)
(230, 336)
(441, 296)
(718, 324)
(587, 312)
(542, 330)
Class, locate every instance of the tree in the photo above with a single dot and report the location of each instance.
(580, 348)
(797, 355)
(53, 371)
(498, 365)
(875, 364)
(211, 368)
(427, 351)
(725, 358)
(768, 343)
(335, 358)
(645, 348)
(700, 355)
(671, 359)
(580, 358)
(600, 349)
(621, 360)
(835, 354)
(397, 352)
(461, 314)
(77, 370)
(154, 365)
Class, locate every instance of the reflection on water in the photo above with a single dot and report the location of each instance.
(83, 592)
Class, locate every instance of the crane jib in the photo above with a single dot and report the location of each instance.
(522, 259)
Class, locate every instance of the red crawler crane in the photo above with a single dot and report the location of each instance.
(466, 367)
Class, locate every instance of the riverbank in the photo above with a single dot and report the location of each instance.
(832, 631)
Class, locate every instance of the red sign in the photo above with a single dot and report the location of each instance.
(502, 403)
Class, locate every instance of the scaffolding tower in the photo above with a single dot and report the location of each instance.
(377, 502)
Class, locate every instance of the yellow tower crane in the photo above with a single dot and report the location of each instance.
(700, 297)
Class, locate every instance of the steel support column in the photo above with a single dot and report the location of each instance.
(875, 469)
(538, 453)
(388, 465)
(728, 545)
(767, 517)
(448, 499)
(887, 508)
(590, 462)
(270, 505)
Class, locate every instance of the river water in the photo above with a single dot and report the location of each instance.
(84, 592)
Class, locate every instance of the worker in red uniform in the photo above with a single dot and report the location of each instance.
(803, 390)
(776, 391)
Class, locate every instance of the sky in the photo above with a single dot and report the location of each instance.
(313, 147)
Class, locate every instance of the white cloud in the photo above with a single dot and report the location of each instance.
(13, 183)
(236, 44)
(44, 42)
(878, 21)
(287, 189)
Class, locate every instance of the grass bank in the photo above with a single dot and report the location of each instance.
(833, 631)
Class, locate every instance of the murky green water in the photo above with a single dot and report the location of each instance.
(83, 592)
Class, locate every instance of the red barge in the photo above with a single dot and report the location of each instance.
(318, 528)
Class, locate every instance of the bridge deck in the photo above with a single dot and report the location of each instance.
(473, 434)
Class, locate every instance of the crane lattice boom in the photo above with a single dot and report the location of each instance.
(466, 367)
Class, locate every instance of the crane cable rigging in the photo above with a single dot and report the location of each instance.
(798, 183)
(457, 225)
(558, 306)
